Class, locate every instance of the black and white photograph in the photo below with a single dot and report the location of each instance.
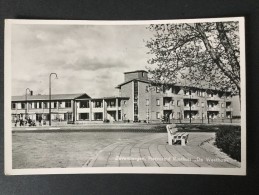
(150, 96)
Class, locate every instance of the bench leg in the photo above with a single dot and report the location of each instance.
(170, 141)
(183, 142)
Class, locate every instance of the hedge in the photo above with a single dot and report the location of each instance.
(228, 139)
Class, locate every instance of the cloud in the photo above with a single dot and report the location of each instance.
(88, 59)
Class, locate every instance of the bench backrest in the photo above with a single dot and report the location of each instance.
(171, 128)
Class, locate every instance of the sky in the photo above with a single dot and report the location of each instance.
(87, 58)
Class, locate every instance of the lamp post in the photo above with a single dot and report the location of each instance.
(26, 106)
(231, 110)
(50, 96)
(190, 93)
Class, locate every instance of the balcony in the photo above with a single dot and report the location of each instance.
(193, 107)
(168, 107)
(83, 109)
(214, 98)
(113, 108)
(214, 108)
(97, 109)
(193, 96)
(228, 108)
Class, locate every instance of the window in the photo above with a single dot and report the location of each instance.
(45, 105)
(173, 90)
(55, 104)
(178, 102)
(13, 105)
(202, 104)
(84, 104)
(23, 105)
(158, 89)
(40, 104)
(201, 93)
(84, 116)
(67, 116)
(98, 116)
(68, 104)
(222, 105)
(147, 102)
(210, 94)
(135, 91)
(29, 105)
(35, 104)
(186, 92)
(143, 74)
(98, 104)
(157, 102)
(111, 104)
(158, 115)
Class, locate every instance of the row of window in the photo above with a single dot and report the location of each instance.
(158, 115)
(186, 104)
(39, 105)
(98, 104)
(36, 105)
(200, 93)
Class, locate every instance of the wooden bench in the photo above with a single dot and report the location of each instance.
(175, 137)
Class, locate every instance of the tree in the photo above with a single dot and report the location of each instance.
(204, 54)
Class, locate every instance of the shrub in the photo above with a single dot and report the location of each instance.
(229, 141)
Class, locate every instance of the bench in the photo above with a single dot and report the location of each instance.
(175, 137)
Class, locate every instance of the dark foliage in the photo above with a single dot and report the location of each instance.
(228, 139)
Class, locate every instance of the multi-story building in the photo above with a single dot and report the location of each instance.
(139, 100)
(153, 102)
(67, 107)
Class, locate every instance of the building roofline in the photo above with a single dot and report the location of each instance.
(135, 71)
(144, 81)
(112, 97)
(169, 84)
(46, 97)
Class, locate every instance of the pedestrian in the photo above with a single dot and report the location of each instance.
(40, 119)
(29, 121)
(15, 121)
(21, 122)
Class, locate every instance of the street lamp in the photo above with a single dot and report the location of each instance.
(190, 105)
(50, 95)
(26, 106)
(231, 114)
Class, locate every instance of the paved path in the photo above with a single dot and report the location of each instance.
(112, 149)
(153, 151)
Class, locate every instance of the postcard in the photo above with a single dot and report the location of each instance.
(151, 97)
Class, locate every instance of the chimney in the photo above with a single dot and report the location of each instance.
(31, 93)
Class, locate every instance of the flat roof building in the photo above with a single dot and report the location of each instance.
(139, 100)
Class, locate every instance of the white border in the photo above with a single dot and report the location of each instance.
(94, 170)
